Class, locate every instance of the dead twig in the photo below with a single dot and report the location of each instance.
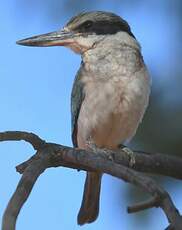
(113, 163)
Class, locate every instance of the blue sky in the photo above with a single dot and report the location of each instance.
(35, 96)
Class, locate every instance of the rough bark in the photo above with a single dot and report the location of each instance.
(117, 164)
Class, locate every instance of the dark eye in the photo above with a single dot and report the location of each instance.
(87, 24)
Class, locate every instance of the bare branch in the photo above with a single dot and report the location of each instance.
(33, 139)
(22, 192)
(150, 203)
(114, 163)
(155, 163)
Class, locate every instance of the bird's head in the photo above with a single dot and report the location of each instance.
(82, 32)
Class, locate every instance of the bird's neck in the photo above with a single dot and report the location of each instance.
(111, 53)
(108, 43)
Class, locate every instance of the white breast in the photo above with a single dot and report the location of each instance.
(112, 111)
(117, 88)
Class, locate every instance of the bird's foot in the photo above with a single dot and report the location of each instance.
(93, 147)
(131, 155)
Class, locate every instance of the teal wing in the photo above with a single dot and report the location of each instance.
(77, 97)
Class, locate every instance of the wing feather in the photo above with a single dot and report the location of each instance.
(77, 97)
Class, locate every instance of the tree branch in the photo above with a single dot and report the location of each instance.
(152, 202)
(114, 163)
(31, 138)
(21, 194)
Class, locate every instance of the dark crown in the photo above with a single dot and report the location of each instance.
(98, 22)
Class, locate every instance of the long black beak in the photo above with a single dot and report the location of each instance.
(58, 38)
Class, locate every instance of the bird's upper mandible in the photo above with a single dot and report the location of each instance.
(82, 31)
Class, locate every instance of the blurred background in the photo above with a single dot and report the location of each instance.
(35, 86)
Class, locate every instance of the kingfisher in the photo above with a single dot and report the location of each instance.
(110, 92)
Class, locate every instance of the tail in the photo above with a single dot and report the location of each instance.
(90, 203)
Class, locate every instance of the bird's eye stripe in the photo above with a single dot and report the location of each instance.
(85, 25)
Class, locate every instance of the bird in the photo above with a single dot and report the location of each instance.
(110, 92)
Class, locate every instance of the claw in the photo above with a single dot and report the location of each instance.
(90, 145)
(93, 147)
(131, 155)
